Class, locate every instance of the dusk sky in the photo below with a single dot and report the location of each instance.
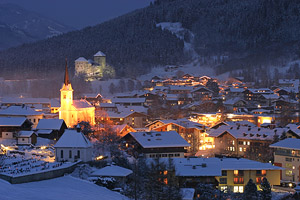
(80, 13)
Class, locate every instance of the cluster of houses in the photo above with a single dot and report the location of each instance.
(225, 146)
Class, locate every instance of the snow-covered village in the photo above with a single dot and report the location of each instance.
(150, 100)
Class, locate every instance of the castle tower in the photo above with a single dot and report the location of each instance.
(66, 100)
(100, 58)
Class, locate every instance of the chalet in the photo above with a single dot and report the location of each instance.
(202, 93)
(9, 126)
(180, 89)
(131, 118)
(73, 146)
(129, 101)
(232, 105)
(94, 99)
(292, 83)
(267, 99)
(192, 132)
(287, 155)
(227, 174)
(51, 128)
(254, 94)
(38, 104)
(156, 144)
(123, 129)
(150, 98)
(236, 140)
(23, 111)
(233, 92)
(108, 107)
(26, 138)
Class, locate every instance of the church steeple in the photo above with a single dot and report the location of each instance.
(66, 81)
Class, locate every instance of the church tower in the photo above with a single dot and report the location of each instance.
(66, 100)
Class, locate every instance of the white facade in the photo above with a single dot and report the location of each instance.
(7, 135)
(73, 146)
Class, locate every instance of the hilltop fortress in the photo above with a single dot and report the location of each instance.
(94, 69)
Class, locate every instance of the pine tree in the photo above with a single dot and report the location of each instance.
(266, 193)
(250, 190)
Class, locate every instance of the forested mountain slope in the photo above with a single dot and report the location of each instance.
(235, 34)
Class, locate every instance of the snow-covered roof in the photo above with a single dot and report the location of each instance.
(249, 133)
(288, 143)
(112, 170)
(99, 53)
(237, 90)
(51, 124)
(214, 166)
(159, 139)
(82, 103)
(55, 102)
(261, 91)
(18, 100)
(181, 87)
(12, 121)
(184, 122)
(128, 100)
(44, 131)
(81, 59)
(233, 101)
(25, 133)
(19, 111)
(72, 138)
(270, 96)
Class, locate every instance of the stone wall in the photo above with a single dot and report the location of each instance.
(43, 175)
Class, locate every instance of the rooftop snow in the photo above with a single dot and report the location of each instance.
(81, 104)
(289, 143)
(72, 138)
(81, 59)
(112, 170)
(128, 100)
(12, 121)
(159, 139)
(19, 111)
(25, 133)
(51, 124)
(99, 53)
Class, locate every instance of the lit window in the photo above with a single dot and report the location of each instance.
(233, 142)
(244, 142)
(241, 189)
(241, 149)
(236, 172)
(165, 172)
(248, 143)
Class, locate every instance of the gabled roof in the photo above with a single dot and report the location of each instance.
(113, 171)
(82, 104)
(72, 138)
(23, 134)
(19, 111)
(159, 139)
(288, 143)
(12, 121)
(50, 124)
(128, 100)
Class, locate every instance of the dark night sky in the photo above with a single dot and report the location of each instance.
(80, 13)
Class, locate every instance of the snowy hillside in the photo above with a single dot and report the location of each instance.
(18, 26)
(66, 188)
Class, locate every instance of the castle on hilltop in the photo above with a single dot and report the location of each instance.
(74, 111)
(94, 69)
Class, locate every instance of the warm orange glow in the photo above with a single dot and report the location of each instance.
(165, 172)
(236, 172)
(263, 172)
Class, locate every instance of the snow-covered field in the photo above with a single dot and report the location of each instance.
(63, 188)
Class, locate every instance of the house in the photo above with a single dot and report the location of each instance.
(192, 132)
(23, 111)
(202, 93)
(156, 144)
(51, 128)
(94, 99)
(131, 118)
(26, 138)
(129, 101)
(234, 92)
(287, 155)
(108, 107)
(73, 146)
(236, 140)
(38, 104)
(120, 174)
(123, 129)
(9, 126)
(251, 94)
(74, 111)
(227, 174)
(232, 105)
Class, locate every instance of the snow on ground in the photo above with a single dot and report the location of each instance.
(66, 188)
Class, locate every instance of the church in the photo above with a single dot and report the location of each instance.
(74, 111)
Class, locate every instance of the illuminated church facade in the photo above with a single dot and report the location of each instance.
(74, 111)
